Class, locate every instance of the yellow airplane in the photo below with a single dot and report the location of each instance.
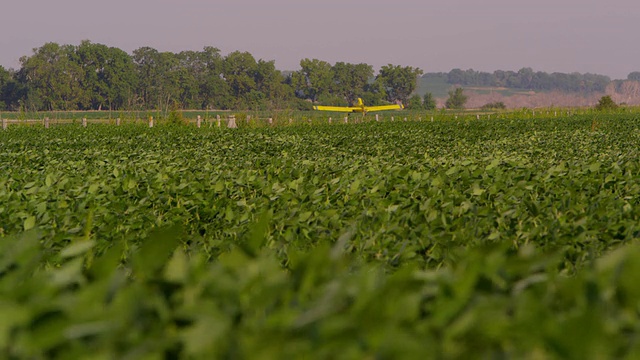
(359, 108)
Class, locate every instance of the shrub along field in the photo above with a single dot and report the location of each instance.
(448, 239)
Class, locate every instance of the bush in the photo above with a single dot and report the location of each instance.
(456, 99)
(332, 100)
(606, 103)
(429, 102)
(414, 103)
(494, 105)
(302, 105)
(175, 117)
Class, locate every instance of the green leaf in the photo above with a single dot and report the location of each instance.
(156, 249)
(29, 223)
(177, 267)
(257, 235)
(77, 248)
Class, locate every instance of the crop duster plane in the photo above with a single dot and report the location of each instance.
(358, 108)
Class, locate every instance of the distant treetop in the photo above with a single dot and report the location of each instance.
(528, 79)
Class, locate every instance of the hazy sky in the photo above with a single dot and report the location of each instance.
(594, 36)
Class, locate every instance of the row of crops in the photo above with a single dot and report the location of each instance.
(296, 116)
(447, 239)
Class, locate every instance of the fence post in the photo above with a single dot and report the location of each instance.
(432, 118)
(218, 120)
(150, 121)
(118, 122)
(270, 121)
(4, 124)
(231, 123)
(392, 119)
(248, 118)
(84, 122)
(329, 119)
(377, 118)
(198, 121)
(46, 123)
(346, 119)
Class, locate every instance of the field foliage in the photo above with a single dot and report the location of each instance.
(448, 239)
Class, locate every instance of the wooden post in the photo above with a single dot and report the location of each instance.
(118, 122)
(84, 122)
(329, 119)
(432, 118)
(346, 119)
(46, 123)
(4, 124)
(270, 121)
(290, 121)
(248, 118)
(477, 117)
(405, 119)
(231, 123)
(199, 122)
(218, 120)
(392, 118)
(150, 121)
(377, 119)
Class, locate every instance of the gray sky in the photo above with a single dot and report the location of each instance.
(594, 36)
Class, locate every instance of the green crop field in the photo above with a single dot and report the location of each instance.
(501, 238)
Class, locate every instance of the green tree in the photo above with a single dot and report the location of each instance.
(190, 75)
(214, 90)
(399, 82)
(109, 76)
(634, 76)
(374, 93)
(158, 78)
(606, 103)
(313, 80)
(429, 102)
(414, 103)
(53, 79)
(5, 79)
(12, 92)
(239, 72)
(456, 99)
(350, 80)
(270, 82)
(456, 77)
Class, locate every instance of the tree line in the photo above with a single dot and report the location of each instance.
(528, 79)
(93, 76)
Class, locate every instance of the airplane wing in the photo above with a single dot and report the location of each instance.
(338, 108)
(383, 107)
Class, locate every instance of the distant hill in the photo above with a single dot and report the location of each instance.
(527, 88)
